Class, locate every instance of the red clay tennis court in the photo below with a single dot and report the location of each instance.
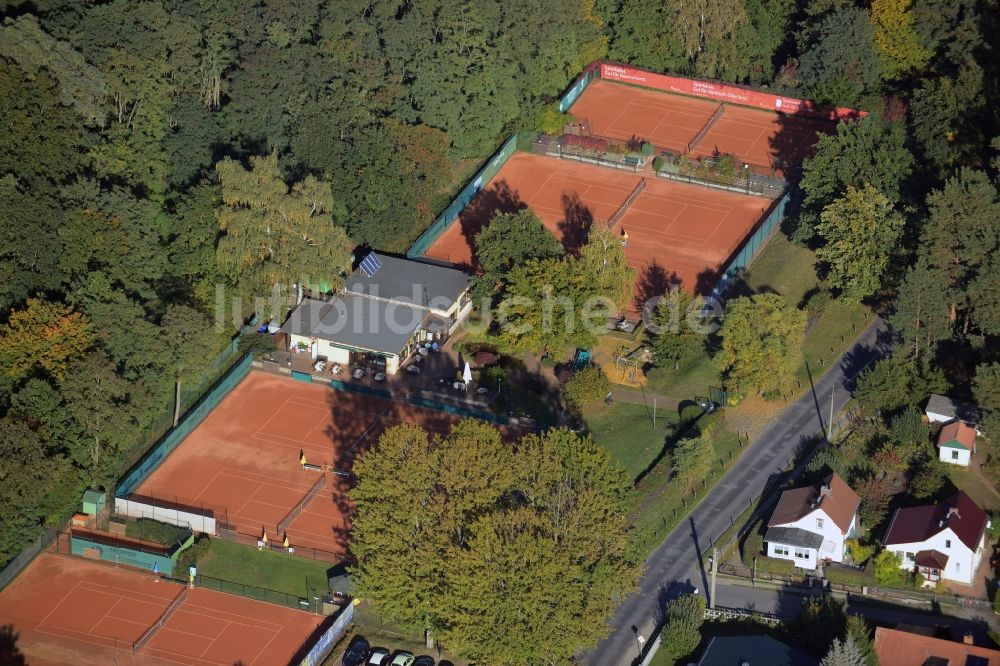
(761, 138)
(73, 611)
(244, 459)
(677, 232)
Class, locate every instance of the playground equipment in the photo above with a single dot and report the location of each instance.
(628, 362)
(581, 360)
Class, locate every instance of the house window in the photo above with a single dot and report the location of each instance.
(947, 543)
(910, 557)
(958, 567)
(801, 554)
(954, 455)
(819, 523)
(779, 550)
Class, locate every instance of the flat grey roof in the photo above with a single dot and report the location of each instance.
(408, 281)
(355, 321)
(793, 536)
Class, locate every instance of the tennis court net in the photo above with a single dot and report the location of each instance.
(301, 504)
(153, 628)
(629, 200)
(704, 130)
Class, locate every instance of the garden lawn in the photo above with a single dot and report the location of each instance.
(662, 503)
(784, 268)
(273, 571)
(974, 486)
(690, 380)
(626, 431)
(789, 270)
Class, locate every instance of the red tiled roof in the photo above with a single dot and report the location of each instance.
(919, 523)
(960, 432)
(899, 648)
(931, 558)
(840, 503)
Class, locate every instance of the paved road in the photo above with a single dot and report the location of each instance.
(672, 568)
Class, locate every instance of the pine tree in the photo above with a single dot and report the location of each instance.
(844, 653)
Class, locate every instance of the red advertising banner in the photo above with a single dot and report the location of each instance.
(724, 93)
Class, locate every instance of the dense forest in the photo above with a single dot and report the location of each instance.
(145, 145)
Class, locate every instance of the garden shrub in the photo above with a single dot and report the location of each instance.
(588, 385)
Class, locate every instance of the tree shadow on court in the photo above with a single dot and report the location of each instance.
(10, 654)
(357, 421)
(575, 225)
(498, 197)
(706, 281)
(654, 281)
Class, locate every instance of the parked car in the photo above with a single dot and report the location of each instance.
(402, 658)
(356, 652)
(378, 657)
(423, 660)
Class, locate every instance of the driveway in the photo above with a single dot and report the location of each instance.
(672, 569)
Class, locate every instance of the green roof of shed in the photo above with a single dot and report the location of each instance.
(94, 496)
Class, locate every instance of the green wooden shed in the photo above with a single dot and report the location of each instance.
(93, 502)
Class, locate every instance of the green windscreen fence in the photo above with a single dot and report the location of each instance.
(450, 214)
(195, 416)
(577, 89)
(751, 246)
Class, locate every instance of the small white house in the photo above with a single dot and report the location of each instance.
(942, 409)
(941, 542)
(956, 443)
(810, 524)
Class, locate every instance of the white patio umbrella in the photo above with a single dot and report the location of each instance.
(467, 375)
(314, 350)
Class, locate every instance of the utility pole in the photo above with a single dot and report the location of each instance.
(715, 570)
(829, 424)
(654, 412)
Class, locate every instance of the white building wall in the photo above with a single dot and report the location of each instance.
(809, 562)
(945, 454)
(962, 562)
(830, 531)
(934, 417)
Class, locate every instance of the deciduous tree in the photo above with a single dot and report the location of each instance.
(106, 411)
(692, 458)
(490, 546)
(43, 335)
(861, 231)
(762, 340)
(509, 240)
(899, 46)
(602, 258)
(866, 151)
(273, 234)
(587, 385)
(549, 305)
(670, 334)
(27, 473)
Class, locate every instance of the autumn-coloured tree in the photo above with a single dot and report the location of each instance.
(43, 335)
(898, 43)
(273, 234)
